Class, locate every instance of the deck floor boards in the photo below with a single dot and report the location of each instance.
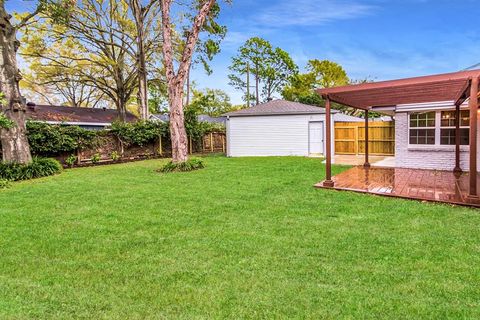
(418, 184)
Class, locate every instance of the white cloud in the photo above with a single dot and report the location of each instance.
(311, 12)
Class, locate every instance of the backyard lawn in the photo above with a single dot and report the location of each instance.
(242, 238)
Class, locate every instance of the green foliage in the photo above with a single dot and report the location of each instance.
(39, 167)
(114, 156)
(213, 102)
(48, 139)
(189, 165)
(197, 129)
(139, 133)
(5, 123)
(273, 67)
(327, 74)
(4, 184)
(95, 158)
(70, 161)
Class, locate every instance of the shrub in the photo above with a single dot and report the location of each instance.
(139, 133)
(4, 184)
(114, 155)
(189, 165)
(95, 158)
(70, 161)
(48, 139)
(39, 167)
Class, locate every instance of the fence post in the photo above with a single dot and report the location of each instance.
(160, 145)
(223, 143)
(211, 141)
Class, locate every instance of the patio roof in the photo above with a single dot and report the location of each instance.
(451, 87)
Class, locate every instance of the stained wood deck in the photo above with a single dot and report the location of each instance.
(418, 184)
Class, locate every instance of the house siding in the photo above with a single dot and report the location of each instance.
(279, 135)
(424, 157)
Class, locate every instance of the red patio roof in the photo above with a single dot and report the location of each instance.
(435, 88)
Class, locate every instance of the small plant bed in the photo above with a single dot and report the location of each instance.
(189, 165)
(39, 167)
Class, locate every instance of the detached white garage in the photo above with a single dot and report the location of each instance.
(277, 128)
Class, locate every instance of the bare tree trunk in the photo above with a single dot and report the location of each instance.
(177, 126)
(176, 81)
(122, 110)
(257, 98)
(142, 65)
(15, 147)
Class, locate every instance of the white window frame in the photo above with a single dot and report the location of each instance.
(449, 127)
(422, 128)
(438, 127)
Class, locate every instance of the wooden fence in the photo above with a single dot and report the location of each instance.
(350, 138)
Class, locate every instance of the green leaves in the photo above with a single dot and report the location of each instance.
(47, 139)
(139, 133)
(273, 67)
(5, 123)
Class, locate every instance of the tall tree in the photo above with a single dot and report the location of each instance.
(140, 14)
(201, 12)
(271, 68)
(101, 35)
(13, 137)
(327, 73)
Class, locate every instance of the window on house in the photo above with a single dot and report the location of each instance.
(447, 127)
(422, 128)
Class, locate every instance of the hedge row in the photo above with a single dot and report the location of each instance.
(49, 140)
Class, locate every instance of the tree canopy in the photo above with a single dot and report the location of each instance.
(271, 68)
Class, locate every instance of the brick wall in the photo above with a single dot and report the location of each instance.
(424, 157)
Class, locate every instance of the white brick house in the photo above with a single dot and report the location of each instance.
(437, 150)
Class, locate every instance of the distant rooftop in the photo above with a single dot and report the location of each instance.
(278, 107)
(50, 113)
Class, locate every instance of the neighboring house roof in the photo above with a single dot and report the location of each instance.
(73, 115)
(201, 117)
(277, 107)
(207, 118)
(341, 117)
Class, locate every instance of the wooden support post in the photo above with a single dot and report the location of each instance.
(457, 168)
(328, 167)
(366, 164)
(473, 106)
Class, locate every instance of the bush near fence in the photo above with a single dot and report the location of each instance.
(123, 142)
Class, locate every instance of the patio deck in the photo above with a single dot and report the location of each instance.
(418, 184)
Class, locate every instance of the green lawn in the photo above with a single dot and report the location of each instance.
(243, 238)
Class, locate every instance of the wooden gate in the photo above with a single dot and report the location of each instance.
(350, 138)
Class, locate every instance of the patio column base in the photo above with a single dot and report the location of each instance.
(366, 165)
(328, 183)
(457, 170)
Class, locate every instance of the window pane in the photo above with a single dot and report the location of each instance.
(464, 118)
(448, 119)
(422, 119)
(447, 136)
(464, 136)
(422, 136)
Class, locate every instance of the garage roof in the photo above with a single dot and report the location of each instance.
(278, 107)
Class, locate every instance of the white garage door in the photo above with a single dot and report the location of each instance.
(315, 138)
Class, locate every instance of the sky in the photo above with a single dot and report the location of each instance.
(378, 39)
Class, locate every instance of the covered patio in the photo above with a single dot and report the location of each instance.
(457, 186)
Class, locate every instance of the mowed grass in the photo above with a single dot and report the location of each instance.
(243, 238)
